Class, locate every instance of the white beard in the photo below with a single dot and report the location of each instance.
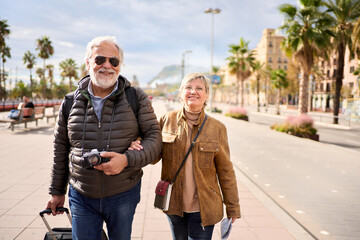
(102, 81)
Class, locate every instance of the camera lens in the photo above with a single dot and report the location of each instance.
(94, 159)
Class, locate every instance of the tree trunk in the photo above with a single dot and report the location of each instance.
(339, 77)
(44, 80)
(1, 77)
(258, 93)
(4, 80)
(242, 93)
(70, 87)
(31, 83)
(303, 95)
(238, 79)
(278, 102)
(266, 95)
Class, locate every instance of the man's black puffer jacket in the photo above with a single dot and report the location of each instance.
(125, 129)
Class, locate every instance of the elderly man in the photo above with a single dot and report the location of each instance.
(91, 147)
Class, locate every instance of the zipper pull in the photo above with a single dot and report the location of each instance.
(99, 125)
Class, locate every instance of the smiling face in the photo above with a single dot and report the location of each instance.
(194, 95)
(104, 75)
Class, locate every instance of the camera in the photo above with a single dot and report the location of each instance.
(93, 158)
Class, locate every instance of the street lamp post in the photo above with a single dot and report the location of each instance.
(212, 11)
(183, 64)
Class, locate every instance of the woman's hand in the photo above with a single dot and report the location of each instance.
(135, 145)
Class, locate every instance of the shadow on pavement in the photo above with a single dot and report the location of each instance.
(46, 130)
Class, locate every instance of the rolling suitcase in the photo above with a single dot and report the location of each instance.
(60, 233)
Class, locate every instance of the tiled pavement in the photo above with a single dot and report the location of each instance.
(25, 160)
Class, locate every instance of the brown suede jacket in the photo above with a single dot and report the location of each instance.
(213, 169)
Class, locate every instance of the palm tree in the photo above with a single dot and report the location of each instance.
(239, 65)
(83, 70)
(45, 51)
(4, 33)
(69, 69)
(45, 48)
(344, 14)
(40, 88)
(307, 35)
(356, 37)
(258, 69)
(278, 81)
(50, 69)
(5, 53)
(29, 61)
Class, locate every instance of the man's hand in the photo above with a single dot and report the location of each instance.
(56, 201)
(116, 164)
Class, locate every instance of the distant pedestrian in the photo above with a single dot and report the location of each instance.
(208, 178)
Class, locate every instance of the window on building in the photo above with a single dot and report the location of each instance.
(270, 50)
(351, 85)
(279, 67)
(285, 67)
(285, 60)
(321, 87)
(322, 63)
(279, 60)
(328, 87)
(352, 69)
(269, 60)
(334, 73)
(334, 61)
(328, 74)
(270, 44)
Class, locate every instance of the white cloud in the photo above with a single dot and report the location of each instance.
(153, 33)
(66, 44)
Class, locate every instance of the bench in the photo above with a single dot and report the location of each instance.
(39, 113)
(26, 115)
(54, 114)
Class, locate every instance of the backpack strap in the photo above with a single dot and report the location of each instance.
(68, 102)
(133, 100)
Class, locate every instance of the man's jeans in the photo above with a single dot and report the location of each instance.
(117, 211)
(189, 227)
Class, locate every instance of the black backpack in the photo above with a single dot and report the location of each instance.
(130, 96)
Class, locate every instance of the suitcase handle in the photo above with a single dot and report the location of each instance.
(61, 209)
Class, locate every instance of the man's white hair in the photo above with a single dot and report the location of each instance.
(97, 41)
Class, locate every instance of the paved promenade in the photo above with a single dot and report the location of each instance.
(26, 156)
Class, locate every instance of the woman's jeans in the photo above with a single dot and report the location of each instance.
(189, 227)
(117, 211)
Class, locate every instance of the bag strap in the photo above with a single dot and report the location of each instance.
(187, 154)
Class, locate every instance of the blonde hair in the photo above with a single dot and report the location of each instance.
(192, 77)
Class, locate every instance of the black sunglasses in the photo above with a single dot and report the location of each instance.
(100, 60)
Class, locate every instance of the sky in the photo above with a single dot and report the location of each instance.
(152, 33)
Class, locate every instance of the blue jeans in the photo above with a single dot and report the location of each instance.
(189, 227)
(117, 211)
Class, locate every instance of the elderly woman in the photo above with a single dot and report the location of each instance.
(196, 202)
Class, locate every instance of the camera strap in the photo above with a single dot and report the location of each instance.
(110, 130)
